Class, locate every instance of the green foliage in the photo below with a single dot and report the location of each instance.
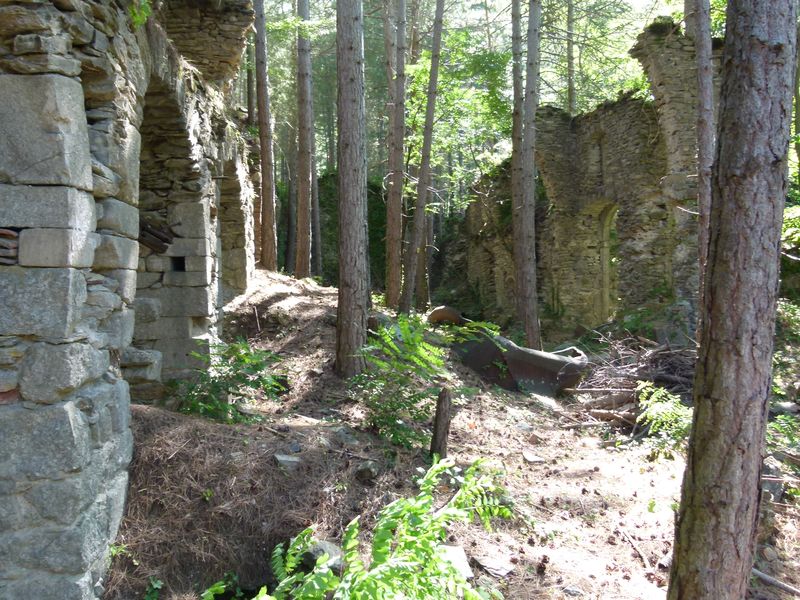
(786, 357)
(232, 372)
(140, 11)
(154, 585)
(783, 434)
(393, 388)
(669, 422)
(228, 586)
(405, 560)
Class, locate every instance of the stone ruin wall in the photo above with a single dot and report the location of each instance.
(104, 127)
(618, 229)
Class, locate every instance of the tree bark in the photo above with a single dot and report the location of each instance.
(269, 240)
(291, 199)
(572, 98)
(441, 424)
(394, 200)
(305, 132)
(418, 228)
(524, 220)
(316, 228)
(351, 324)
(705, 128)
(797, 110)
(715, 536)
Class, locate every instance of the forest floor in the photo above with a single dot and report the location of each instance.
(595, 520)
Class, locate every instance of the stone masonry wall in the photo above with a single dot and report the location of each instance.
(83, 99)
(619, 229)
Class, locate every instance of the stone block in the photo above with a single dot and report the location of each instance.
(184, 302)
(147, 310)
(21, 19)
(116, 252)
(168, 327)
(189, 247)
(105, 182)
(126, 278)
(145, 280)
(48, 586)
(176, 353)
(41, 302)
(49, 371)
(43, 442)
(123, 158)
(118, 328)
(187, 278)
(141, 366)
(200, 263)
(56, 248)
(8, 380)
(33, 43)
(189, 220)
(157, 263)
(37, 64)
(120, 217)
(43, 133)
(46, 206)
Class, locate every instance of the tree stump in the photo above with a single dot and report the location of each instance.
(441, 424)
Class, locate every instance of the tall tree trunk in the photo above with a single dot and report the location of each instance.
(797, 110)
(394, 201)
(525, 217)
(305, 132)
(251, 85)
(291, 198)
(705, 127)
(517, 175)
(418, 228)
(316, 228)
(716, 530)
(269, 240)
(572, 98)
(351, 323)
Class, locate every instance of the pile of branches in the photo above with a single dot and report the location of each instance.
(608, 393)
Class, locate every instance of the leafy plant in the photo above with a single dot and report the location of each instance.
(140, 11)
(401, 361)
(154, 586)
(233, 372)
(668, 421)
(405, 560)
(229, 586)
(783, 434)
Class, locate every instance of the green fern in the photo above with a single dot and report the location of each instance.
(668, 421)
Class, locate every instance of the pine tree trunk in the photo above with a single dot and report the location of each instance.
(705, 128)
(797, 110)
(269, 240)
(716, 530)
(291, 199)
(305, 131)
(572, 98)
(394, 201)
(418, 228)
(316, 229)
(351, 324)
(525, 218)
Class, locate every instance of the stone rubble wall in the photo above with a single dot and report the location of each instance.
(617, 231)
(83, 99)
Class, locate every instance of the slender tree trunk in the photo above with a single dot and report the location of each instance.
(316, 228)
(351, 324)
(572, 98)
(251, 85)
(517, 175)
(716, 530)
(418, 228)
(705, 127)
(305, 132)
(290, 207)
(394, 202)
(330, 141)
(269, 240)
(797, 110)
(525, 217)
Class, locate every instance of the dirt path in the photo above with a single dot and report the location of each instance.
(596, 521)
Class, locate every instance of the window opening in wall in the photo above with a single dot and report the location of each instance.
(178, 263)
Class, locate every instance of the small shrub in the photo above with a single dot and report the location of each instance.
(397, 388)
(234, 372)
(404, 555)
(668, 421)
(783, 434)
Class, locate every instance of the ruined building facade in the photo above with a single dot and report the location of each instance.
(618, 230)
(126, 214)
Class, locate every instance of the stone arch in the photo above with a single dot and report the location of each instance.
(608, 292)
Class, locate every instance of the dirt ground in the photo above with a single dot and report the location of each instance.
(595, 521)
